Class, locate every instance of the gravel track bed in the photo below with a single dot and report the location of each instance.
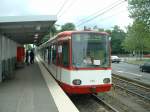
(85, 103)
(136, 88)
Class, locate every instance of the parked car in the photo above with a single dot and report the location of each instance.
(115, 59)
(145, 67)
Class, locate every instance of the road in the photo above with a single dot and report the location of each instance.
(131, 71)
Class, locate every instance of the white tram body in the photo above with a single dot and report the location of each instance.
(79, 61)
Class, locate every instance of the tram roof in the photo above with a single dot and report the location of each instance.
(68, 33)
(26, 29)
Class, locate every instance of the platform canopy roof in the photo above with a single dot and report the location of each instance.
(26, 29)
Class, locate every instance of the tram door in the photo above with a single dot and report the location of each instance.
(63, 59)
(54, 60)
(59, 62)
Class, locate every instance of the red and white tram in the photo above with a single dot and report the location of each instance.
(79, 61)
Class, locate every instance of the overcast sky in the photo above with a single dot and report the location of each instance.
(73, 11)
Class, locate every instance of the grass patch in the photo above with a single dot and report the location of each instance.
(138, 62)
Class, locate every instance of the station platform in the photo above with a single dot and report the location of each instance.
(28, 92)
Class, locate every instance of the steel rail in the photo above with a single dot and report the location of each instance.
(131, 82)
(104, 103)
(130, 90)
(134, 93)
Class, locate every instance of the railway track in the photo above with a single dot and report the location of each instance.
(132, 87)
(108, 106)
(91, 103)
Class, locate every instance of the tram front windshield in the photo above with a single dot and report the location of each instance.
(90, 50)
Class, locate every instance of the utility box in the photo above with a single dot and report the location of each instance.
(20, 54)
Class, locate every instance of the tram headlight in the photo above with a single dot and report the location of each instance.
(76, 82)
(106, 80)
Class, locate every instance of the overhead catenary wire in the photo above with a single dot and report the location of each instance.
(101, 13)
(60, 14)
(95, 13)
(105, 11)
(110, 17)
(113, 14)
(69, 6)
(61, 8)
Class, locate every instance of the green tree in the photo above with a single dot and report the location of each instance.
(45, 38)
(101, 29)
(108, 31)
(68, 27)
(118, 36)
(53, 31)
(140, 11)
(138, 35)
(137, 39)
(28, 46)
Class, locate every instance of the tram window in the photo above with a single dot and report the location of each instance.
(44, 54)
(50, 55)
(65, 54)
(54, 54)
(59, 59)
